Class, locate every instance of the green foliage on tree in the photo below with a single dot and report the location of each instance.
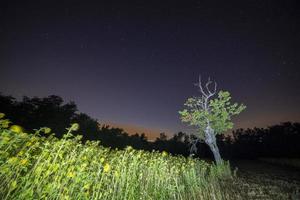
(218, 113)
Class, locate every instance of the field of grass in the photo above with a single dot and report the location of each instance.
(35, 167)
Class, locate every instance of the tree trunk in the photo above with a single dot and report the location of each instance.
(214, 148)
(210, 140)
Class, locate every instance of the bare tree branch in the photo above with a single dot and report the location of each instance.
(215, 87)
(199, 84)
(207, 84)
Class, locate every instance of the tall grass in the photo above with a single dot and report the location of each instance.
(35, 167)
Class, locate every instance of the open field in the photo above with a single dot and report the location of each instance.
(288, 162)
(259, 180)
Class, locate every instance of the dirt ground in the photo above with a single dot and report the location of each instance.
(259, 180)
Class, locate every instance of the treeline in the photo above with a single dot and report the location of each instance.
(52, 112)
(31, 113)
(275, 141)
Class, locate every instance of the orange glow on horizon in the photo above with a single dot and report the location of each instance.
(150, 133)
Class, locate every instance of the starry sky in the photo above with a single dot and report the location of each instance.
(133, 64)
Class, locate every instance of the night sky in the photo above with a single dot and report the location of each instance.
(134, 64)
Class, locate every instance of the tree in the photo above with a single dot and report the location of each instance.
(211, 114)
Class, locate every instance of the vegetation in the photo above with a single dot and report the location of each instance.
(36, 167)
(31, 113)
(53, 112)
(241, 144)
(210, 116)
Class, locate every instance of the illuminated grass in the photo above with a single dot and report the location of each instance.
(35, 167)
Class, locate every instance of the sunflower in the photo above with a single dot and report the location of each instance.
(106, 167)
(16, 128)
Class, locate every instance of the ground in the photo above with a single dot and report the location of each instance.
(259, 180)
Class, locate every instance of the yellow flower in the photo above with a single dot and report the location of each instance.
(47, 130)
(106, 167)
(164, 153)
(74, 127)
(86, 187)
(16, 128)
(70, 174)
(24, 161)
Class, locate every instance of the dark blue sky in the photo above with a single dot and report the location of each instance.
(135, 64)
